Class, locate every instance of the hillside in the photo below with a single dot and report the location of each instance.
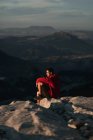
(10, 65)
(60, 41)
(17, 77)
(59, 48)
(84, 35)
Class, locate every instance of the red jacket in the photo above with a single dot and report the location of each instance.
(54, 84)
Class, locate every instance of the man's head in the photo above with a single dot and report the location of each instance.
(49, 71)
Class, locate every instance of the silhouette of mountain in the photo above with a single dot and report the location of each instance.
(65, 42)
(32, 31)
(60, 48)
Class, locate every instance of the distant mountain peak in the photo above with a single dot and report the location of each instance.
(29, 31)
(42, 27)
(61, 36)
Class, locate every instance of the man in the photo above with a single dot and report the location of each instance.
(48, 86)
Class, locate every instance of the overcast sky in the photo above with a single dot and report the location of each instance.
(64, 14)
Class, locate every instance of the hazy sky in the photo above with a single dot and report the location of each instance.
(64, 14)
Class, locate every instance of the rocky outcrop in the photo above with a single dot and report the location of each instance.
(77, 113)
(25, 120)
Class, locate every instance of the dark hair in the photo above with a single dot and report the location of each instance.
(50, 69)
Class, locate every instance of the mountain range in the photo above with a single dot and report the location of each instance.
(60, 48)
(28, 31)
(24, 58)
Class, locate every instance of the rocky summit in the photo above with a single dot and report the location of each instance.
(67, 118)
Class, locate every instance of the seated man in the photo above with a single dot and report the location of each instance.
(48, 86)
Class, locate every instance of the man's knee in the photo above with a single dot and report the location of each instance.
(39, 84)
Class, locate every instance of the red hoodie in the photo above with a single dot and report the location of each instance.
(54, 85)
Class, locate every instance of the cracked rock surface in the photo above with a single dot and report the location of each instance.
(61, 119)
